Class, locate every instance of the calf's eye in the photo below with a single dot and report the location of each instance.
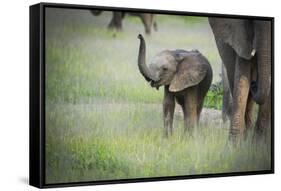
(165, 68)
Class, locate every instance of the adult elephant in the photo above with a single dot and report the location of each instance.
(245, 49)
(147, 19)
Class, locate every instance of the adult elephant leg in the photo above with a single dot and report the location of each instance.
(116, 21)
(96, 12)
(227, 98)
(264, 118)
(190, 109)
(240, 97)
(226, 105)
(228, 57)
(249, 114)
(168, 110)
(250, 109)
(155, 26)
(147, 20)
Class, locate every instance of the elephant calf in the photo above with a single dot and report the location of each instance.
(186, 77)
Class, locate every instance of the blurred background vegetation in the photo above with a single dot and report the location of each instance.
(103, 121)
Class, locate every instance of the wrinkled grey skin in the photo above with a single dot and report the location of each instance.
(186, 77)
(245, 49)
(227, 97)
(147, 19)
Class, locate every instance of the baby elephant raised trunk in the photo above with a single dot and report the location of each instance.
(141, 61)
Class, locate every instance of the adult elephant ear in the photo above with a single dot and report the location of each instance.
(190, 72)
(237, 33)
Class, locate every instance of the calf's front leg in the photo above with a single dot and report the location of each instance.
(168, 111)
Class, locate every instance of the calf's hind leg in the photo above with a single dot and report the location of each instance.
(190, 109)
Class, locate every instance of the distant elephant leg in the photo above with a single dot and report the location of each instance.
(264, 117)
(147, 22)
(168, 110)
(240, 97)
(116, 21)
(155, 26)
(190, 109)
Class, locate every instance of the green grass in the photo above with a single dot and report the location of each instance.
(110, 141)
(73, 76)
(104, 121)
(214, 96)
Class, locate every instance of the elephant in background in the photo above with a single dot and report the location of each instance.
(147, 19)
(186, 77)
(244, 46)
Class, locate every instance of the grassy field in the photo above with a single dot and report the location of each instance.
(103, 121)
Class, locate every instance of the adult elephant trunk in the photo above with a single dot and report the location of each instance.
(141, 61)
(260, 89)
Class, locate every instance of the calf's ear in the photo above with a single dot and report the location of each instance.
(190, 72)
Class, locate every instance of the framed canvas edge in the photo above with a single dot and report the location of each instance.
(36, 97)
(38, 153)
(155, 11)
(157, 179)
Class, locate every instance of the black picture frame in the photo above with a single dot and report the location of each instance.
(37, 96)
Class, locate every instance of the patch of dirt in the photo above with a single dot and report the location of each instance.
(208, 117)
